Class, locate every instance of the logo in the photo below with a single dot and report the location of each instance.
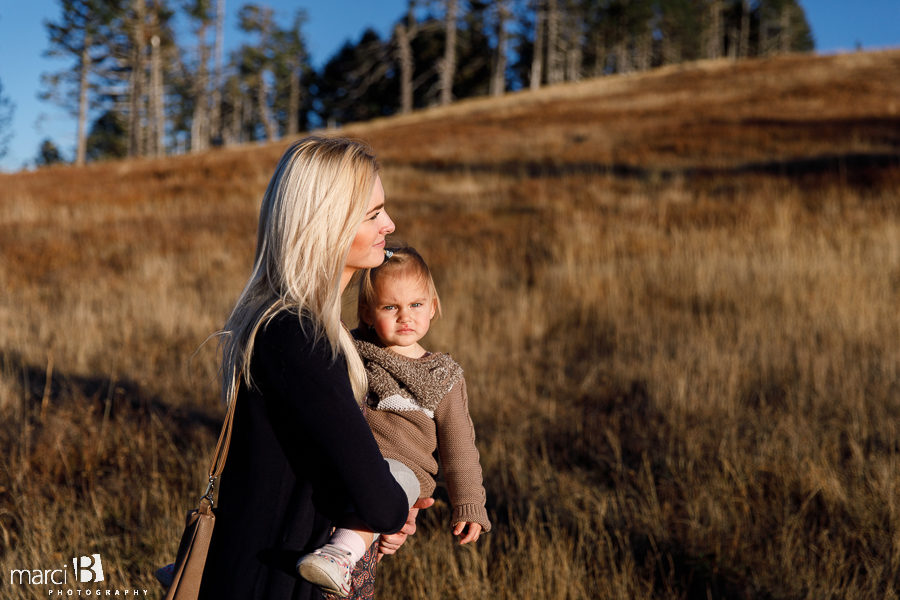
(59, 582)
(88, 569)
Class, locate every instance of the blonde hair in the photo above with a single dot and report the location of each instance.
(309, 216)
(402, 260)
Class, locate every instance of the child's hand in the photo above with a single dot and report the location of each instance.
(471, 535)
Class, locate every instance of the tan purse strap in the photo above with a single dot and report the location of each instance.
(218, 462)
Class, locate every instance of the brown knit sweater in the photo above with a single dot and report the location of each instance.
(417, 405)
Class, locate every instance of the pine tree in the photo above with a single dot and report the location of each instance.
(109, 137)
(290, 66)
(258, 60)
(48, 154)
(80, 33)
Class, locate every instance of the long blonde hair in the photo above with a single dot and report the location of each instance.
(309, 215)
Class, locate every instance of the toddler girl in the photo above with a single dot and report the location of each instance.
(417, 403)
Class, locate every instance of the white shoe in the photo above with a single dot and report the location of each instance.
(329, 568)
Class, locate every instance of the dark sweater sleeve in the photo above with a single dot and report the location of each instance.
(309, 394)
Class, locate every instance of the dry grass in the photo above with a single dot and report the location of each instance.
(684, 375)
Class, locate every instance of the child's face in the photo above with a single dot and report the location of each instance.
(402, 311)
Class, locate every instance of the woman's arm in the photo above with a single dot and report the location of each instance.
(309, 395)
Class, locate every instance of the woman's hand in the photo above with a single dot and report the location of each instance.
(471, 535)
(391, 542)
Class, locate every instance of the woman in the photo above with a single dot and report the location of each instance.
(301, 454)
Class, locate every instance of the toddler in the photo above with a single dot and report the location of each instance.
(417, 404)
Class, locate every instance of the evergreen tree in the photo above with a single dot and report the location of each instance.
(48, 154)
(108, 138)
(291, 67)
(257, 61)
(80, 33)
(782, 27)
(473, 48)
(356, 83)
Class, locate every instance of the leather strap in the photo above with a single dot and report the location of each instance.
(218, 462)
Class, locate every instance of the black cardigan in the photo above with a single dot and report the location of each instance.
(301, 455)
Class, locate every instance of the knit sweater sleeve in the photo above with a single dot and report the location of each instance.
(308, 393)
(460, 459)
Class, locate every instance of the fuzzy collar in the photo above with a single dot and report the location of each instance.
(423, 381)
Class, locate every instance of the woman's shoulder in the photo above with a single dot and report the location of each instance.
(289, 330)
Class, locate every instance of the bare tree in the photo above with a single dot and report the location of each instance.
(215, 109)
(448, 64)
(537, 57)
(259, 59)
(404, 33)
(498, 75)
(574, 44)
(78, 33)
(554, 67)
(137, 79)
(714, 30)
(744, 39)
(290, 57)
(157, 111)
(201, 12)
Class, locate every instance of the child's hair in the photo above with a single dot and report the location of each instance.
(400, 260)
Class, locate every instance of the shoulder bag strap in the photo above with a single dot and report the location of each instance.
(218, 462)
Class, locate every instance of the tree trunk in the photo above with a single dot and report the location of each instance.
(744, 43)
(80, 135)
(138, 73)
(293, 125)
(554, 69)
(237, 113)
(624, 63)
(714, 31)
(448, 65)
(762, 43)
(498, 77)
(404, 57)
(537, 59)
(784, 34)
(200, 120)
(157, 112)
(600, 55)
(265, 115)
(215, 109)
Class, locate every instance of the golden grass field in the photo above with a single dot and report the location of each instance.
(675, 296)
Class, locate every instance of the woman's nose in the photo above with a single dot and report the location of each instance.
(388, 225)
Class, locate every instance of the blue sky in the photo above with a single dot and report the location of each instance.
(838, 25)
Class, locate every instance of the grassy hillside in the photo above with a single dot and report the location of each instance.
(674, 294)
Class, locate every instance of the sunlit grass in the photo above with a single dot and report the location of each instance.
(684, 385)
